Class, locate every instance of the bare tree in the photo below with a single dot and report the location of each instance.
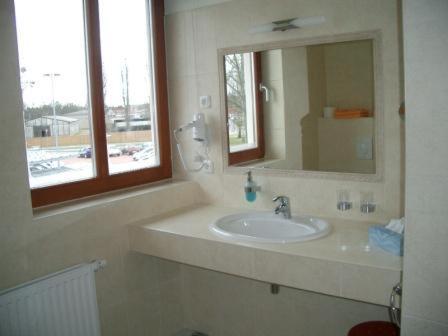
(125, 94)
(236, 94)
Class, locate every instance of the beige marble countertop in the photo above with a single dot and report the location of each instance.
(340, 264)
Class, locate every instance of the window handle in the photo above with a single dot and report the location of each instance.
(267, 92)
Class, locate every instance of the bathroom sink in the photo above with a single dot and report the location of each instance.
(268, 227)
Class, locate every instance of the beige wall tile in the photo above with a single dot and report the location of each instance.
(433, 203)
(114, 320)
(357, 283)
(14, 267)
(171, 306)
(417, 327)
(425, 270)
(157, 245)
(423, 148)
(14, 198)
(179, 45)
(299, 272)
(56, 241)
(204, 40)
(222, 305)
(216, 303)
(144, 313)
(141, 272)
(276, 314)
(229, 23)
(204, 253)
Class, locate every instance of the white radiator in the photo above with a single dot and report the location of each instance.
(59, 304)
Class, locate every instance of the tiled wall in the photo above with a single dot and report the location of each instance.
(193, 38)
(137, 295)
(425, 256)
(226, 305)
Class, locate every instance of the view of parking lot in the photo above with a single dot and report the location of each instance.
(59, 148)
(54, 166)
(54, 79)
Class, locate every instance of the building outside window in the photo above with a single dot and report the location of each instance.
(93, 83)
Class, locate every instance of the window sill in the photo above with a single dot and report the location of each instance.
(241, 148)
(123, 195)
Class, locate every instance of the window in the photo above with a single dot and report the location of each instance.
(93, 81)
(244, 107)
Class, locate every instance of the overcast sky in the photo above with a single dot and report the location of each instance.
(51, 40)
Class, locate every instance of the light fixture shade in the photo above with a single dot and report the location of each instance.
(283, 25)
(263, 28)
(308, 21)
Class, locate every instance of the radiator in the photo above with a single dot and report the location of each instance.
(59, 304)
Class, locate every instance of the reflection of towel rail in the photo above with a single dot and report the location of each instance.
(394, 309)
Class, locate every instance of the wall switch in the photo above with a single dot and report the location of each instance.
(205, 101)
(364, 148)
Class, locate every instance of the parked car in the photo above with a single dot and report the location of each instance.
(144, 154)
(112, 151)
(85, 153)
(131, 150)
(40, 168)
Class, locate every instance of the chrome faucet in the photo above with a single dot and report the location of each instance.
(283, 206)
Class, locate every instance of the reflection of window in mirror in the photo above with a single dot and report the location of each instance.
(243, 106)
(320, 108)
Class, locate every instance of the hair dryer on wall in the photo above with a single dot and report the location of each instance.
(199, 133)
(198, 126)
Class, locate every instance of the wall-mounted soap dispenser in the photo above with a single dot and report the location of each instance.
(251, 188)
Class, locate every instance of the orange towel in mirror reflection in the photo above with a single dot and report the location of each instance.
(351, 113)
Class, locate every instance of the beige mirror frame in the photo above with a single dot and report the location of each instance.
(375, 36)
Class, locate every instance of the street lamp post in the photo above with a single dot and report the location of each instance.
(52, 75)
(25, 84)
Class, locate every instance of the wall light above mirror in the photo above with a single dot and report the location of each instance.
(306, 106)
(284, 25)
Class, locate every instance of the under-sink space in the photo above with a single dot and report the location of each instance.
(222, 304)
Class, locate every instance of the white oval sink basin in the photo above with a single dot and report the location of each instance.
(268, 227)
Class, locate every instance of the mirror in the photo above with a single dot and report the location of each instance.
(309, 107)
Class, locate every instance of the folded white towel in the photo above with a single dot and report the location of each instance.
(396, 225)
